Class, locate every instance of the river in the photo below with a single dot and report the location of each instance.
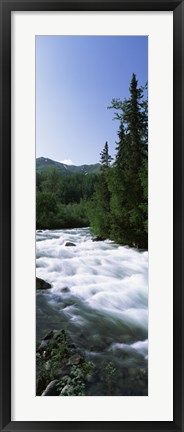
(99, 295)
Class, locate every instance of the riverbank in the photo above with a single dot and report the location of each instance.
(62, 370)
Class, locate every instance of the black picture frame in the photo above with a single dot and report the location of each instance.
(6, 7)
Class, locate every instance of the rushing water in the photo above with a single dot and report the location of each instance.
(99, 294)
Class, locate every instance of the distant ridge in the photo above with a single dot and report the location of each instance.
(43, 164)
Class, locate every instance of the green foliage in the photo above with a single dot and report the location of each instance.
(109, 374)
(62, 201)
(99, 208)
(57, 351)
(88, 367)
(58, 354)
(73, 215)
(46, 209)
(75, 382)
(120, 203)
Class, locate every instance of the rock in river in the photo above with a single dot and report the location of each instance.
(97, 239)
(41, 284)
(70, 244)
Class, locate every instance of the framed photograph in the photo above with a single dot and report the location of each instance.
(91, 215)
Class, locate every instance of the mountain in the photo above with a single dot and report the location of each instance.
(43, 164)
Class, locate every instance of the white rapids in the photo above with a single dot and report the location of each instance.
(99, 288)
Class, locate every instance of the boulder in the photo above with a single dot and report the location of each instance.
(44, 345)
(89, 378)
(64, 391)
(75, 359)
(59, 334)
(70, 244)
(46, 355)
(47, 365)
(56, 334)
(49, 335)
(65, 290)
(51, 389)
(41, 284)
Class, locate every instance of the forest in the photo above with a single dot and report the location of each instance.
(114, 203)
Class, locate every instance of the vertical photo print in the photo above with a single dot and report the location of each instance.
(91, 216)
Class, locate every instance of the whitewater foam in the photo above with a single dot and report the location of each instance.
(100, 287)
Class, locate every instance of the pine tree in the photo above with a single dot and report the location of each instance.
(99, 210)
(120, 203)
(105, 158)
(128, 202)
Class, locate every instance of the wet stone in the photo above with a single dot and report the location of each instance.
(64, 391)
(89, 378)
(65, 289)
(49, 335)
(41, 284)
(45, 355)
(75, 359)
(44, 345)
(48, 365)
(51, 389)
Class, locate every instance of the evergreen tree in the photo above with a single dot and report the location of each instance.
(105, 158)
(99, 210)
(128, 202)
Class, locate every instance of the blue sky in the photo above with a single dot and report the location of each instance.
(76, 79)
